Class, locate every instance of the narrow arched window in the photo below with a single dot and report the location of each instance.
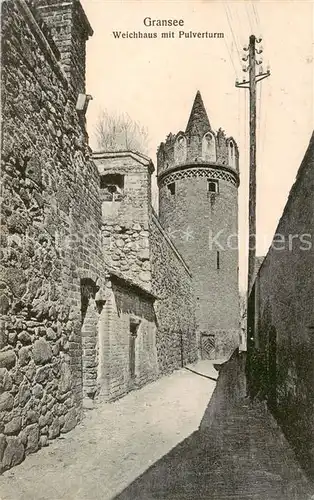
(180, 149)
(231, 154)
(209, 147)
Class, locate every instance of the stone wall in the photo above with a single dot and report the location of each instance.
(175, 307)
(66, 329)
(136, 246)
(126, 249)
(126, 213)
(50, 239)
(280, 319)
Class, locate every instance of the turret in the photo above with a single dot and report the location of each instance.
(198, 179)
(199, 143)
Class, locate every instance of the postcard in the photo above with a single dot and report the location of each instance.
(156, 275)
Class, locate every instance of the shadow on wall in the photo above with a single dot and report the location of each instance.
(133, 303)
(180, 474)
(231, 386)
(280, 374)
(238, 452)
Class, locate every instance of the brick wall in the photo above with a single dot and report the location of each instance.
(50, 239)
(90, 341)
(281, 359)
(203, 222)
(175, 307)
(194, 218)
(125, 304)
(70, 30)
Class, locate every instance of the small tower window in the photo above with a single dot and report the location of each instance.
(231, 154)
(218, 260)
(209, 147)
(212, 186)
(172, 188)
(180, 149)
(112, 186)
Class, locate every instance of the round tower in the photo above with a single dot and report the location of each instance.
(198, 179)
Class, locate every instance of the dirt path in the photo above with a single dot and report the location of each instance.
(115, 443)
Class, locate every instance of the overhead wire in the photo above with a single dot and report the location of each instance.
(256, 15)
(231, 58)
(229, 16)
(249, 18)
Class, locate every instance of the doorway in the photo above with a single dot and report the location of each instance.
(207, 346)
(133, 330)
(89, 337)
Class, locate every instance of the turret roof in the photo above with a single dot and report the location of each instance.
(198, 123)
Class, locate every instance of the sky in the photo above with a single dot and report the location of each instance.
(155, 82)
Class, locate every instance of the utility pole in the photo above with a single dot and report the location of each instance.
(251, 85)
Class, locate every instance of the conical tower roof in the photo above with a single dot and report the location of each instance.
(198, 123)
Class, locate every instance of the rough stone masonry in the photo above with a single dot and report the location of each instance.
(50, 239)
(77, 321)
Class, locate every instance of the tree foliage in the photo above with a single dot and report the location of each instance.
(118, 131)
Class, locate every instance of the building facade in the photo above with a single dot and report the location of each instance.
(96, 297)
(198, 179)
(136, 247)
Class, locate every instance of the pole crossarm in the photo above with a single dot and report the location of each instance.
(258, 78)
(242, 85)
(262, 76)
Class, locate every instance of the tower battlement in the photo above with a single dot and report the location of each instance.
(198, 144)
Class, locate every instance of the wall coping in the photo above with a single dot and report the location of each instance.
(135, 155)
(155, 221)
(42, 41)
(118, 276)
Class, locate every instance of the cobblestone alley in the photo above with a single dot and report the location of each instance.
(165, 442)
(115, 443)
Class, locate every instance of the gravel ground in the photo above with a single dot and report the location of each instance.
(116, 442)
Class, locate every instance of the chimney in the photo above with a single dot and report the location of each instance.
(70, 30)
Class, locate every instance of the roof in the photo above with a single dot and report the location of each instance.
(198, 122)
